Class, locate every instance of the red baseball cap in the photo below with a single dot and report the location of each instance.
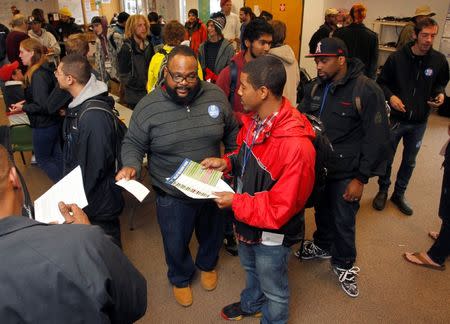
(7, 70)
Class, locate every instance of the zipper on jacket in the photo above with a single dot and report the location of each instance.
(188, 110)
(417, 77)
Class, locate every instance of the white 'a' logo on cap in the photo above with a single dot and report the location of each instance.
(318, 48)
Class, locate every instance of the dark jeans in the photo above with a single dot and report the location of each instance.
(266, 286)
(178, 218)
(440, 250)
(412, 135)
(227, 222)
(335, 222)
(47, 149)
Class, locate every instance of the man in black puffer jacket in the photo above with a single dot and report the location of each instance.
(413, 80)
(90, 141)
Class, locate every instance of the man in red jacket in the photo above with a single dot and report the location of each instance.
(270, 192)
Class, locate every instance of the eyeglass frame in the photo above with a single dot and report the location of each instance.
(174, 78)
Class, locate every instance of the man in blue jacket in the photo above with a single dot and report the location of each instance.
(413, 80)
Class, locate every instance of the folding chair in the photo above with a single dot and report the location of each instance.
(21, 139)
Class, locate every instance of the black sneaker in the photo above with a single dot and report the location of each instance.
(347, 278)
(230, 245)
(233, 312)
(311, 251)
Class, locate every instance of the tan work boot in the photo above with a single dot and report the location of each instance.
(183, 295)
(209, 280)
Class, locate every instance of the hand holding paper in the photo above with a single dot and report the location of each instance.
(135, 188)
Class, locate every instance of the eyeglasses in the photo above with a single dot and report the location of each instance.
(178, 78)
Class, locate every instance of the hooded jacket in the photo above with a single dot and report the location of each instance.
(414, 79)
(47, 40)
(223, 58)
(359, 139)
(90, 143)
(275, 189)
(43, 81)
(324, 31)
(287, 56)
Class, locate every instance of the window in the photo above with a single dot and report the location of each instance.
(214, 6)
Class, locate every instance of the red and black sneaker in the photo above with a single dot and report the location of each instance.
(234, 312)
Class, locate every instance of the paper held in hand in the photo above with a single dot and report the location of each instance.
(196, 182)
(69, 190)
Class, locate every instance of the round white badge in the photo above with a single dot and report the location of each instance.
(213, 111)
(429, 72)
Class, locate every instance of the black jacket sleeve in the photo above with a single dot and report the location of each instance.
(41, 87)
(124, 63)
(441, 79)
(374, 145)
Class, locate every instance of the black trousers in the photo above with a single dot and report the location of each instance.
(111, 228)
(335, 222)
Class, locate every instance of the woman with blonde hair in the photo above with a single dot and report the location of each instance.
(134, 58)
(39, 83)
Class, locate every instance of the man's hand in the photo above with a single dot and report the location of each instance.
(437, 102)
(354, 191)
(73, 214)
(396, 103)
(126, 173)
(224, 199)
(214, 163)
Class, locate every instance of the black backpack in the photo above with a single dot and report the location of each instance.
(324, 149)
(119, 126)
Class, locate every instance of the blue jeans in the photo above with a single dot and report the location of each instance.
(266, 287)
(412, 135)
(335, 222)
(178, 218)
(47, 149)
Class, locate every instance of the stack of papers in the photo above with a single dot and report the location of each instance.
(196, 182)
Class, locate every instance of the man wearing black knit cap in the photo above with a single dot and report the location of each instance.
(216, 53)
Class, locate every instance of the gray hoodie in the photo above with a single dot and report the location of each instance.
(287, 56)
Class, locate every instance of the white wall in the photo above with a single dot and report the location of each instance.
(313, 12)
(314, 9)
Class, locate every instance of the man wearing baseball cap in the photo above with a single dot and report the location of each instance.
(326, 30)
(406, 35)
(352, 109)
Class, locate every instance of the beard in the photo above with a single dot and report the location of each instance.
(192, 92)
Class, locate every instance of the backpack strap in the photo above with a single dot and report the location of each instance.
(314, 89)
(93, 104)
(233, 81)
(361, 82)
(163, 64)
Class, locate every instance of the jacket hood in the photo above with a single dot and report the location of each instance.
(355, 67)
(288, 123)
(93, 88)
(284, 53)
(48, 67)
(239, 58)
